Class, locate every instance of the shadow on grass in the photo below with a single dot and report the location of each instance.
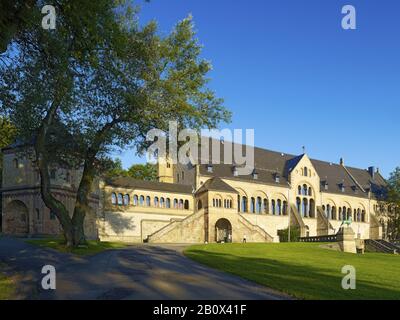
(92, 247)
(300, 281)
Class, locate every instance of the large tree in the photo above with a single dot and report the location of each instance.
(393, 205)
(82, 101)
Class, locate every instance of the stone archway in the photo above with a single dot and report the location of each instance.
(223, 231)
(16, 217)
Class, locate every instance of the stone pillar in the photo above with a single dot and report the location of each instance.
(346, 239)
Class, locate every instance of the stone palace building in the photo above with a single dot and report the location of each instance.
(203, 203)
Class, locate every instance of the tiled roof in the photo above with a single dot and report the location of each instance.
(216, 184)
(126, 182)
(356, 182)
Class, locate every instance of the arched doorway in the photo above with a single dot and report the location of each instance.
(16, 218)
(223, 231)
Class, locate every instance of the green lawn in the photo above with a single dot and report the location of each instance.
(92, 247)
(304, 270)
(7, 287)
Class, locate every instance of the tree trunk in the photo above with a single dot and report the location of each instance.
(82, 205)
(56, 206)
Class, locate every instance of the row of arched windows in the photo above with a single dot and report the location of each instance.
(344, 213)
(306, 172)
(304, 190)
(217, 203)
(142, 201)
(262, 206)
(305, 207)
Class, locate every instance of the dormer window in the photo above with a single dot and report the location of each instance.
(209, 168)
(326, 185)
(277, 178)
(342, 187)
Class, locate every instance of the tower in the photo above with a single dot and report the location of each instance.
(165, 171)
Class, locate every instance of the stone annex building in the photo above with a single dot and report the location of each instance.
(203, 203)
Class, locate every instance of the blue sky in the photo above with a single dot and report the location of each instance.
(287, 69)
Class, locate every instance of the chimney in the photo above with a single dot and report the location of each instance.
(371, 171)
(341, 162)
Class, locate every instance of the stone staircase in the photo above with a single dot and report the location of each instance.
(382, 246)
(166, 235)
(325, 226)
(299, 220)
(254, 228)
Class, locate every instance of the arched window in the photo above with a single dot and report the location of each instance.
(156, 202)
(253, 205)
(186, 205)
(363, 216)
(238, 203)
(334, 217)
(306, 171)
(162, 202)
(305, 208)
(244, 204)
(284, 208)
(175, 203)
(148, 201)
(305, 190)
(279, 207)
(266, 206)
(141, 201)
(359, 215)
(113, 198)
(328, 211)
(324, 211)
(310, 192)
(259, 205)
(120, 199)
(168, 203)
(214, 203)
(220, 203)
(299, 190)
(135, 200)
(340, 214)
(127, 200)
(273, 207)
(298, 205)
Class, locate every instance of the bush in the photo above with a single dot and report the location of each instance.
(294, 234)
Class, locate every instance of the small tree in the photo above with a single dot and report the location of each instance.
(146, 172)
(294, 234)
